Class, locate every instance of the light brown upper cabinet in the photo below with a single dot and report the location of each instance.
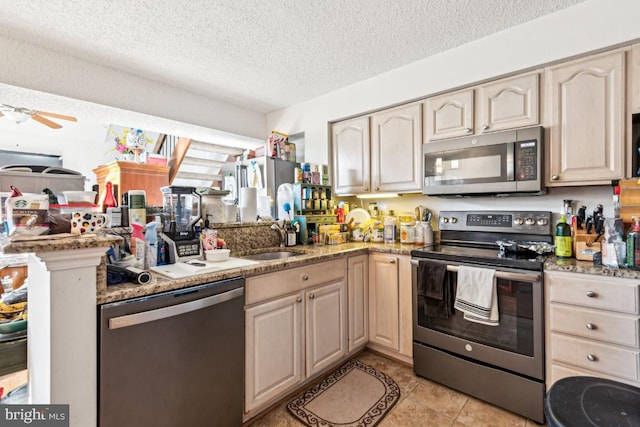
(586, 103)
(379, 153)
(504, 104)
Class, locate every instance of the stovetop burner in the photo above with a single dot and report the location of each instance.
(472, 237)
(481, 256)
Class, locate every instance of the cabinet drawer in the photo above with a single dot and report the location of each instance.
(594, 324)
(271, 285)
(559, 372)
(607, 359)
(605, 293)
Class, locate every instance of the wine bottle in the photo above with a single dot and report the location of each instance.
(564, 247)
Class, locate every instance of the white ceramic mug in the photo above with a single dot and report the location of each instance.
(88, 222)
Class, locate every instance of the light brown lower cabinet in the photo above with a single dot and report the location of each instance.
(592, 327)
(295, 328)
(390, 318)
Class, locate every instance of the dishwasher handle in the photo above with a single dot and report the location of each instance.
(173, 310)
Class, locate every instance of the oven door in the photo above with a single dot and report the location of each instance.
(516, 344)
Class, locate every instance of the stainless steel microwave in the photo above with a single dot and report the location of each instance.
(497, 164)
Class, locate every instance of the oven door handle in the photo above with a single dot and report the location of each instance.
(507, 275)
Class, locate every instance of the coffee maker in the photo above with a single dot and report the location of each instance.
(180, 213)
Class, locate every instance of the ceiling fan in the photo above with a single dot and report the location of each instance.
(20, 114)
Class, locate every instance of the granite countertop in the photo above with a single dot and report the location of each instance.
(57, 242)
(573, 265)
(310, 253)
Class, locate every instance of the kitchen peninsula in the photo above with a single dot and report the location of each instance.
(68, 280)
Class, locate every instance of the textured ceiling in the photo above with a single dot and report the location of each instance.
(261, 54)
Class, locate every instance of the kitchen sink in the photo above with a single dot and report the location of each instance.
(270, 255)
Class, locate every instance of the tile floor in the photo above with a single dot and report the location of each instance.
(422, 403)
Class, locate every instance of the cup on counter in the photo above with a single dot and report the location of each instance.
(88, 222)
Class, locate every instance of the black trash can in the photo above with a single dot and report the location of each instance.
(591, 401)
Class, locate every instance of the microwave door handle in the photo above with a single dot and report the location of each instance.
(510, 161)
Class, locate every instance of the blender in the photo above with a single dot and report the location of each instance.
(180, 213)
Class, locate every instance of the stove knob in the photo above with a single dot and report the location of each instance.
(444, 219)
(543, 221)
(518, 221)
(454, 220)
(529, 221)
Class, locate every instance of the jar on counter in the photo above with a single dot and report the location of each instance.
(377, 232)
(407, 232)
(357, 233)
(389, 230)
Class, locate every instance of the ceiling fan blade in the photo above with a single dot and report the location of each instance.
(46, 122)
(56, 116)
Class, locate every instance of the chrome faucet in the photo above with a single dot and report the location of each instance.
(281, 229)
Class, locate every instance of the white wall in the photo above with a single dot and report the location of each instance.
(589, 26)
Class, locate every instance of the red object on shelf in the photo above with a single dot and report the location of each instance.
(108, 198)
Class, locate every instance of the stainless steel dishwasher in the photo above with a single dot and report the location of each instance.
(173, 359)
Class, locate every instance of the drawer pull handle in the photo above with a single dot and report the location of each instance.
(305, 277)
(591, 294)
(592, 358)
(299, 299)
(312, 296)
(392, 261)
(591, 326)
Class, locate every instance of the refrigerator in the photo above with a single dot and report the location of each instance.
(273, 171)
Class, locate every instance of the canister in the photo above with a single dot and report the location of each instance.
(406, 232)
(390, 230)
(377, 232)
(137, 207)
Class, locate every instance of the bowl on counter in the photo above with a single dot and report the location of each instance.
(13, 326)
(217, 255)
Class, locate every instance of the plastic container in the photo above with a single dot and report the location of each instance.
(337, 238)
(151, 245)
(389, 230)
(217, 255)
(377, 232)
(137, 206)
(79, 197)
(406, 232)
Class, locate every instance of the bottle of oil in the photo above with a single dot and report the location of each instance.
(633, 244)
(563, 242)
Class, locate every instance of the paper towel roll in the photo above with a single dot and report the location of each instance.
(248, 202)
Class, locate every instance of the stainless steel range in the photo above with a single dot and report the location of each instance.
(501, 363)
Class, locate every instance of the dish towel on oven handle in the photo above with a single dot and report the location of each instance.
(477, 296)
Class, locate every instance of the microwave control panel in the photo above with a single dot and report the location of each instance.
(526, 161)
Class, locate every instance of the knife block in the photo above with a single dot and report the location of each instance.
(582, 240)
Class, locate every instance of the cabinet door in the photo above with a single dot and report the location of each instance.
(351, 160)
(587, 104)
(396, 147)
(326, 325)
(358, 297)
(384, 326)
(449, 115)
(508, 104)
(274, 349)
